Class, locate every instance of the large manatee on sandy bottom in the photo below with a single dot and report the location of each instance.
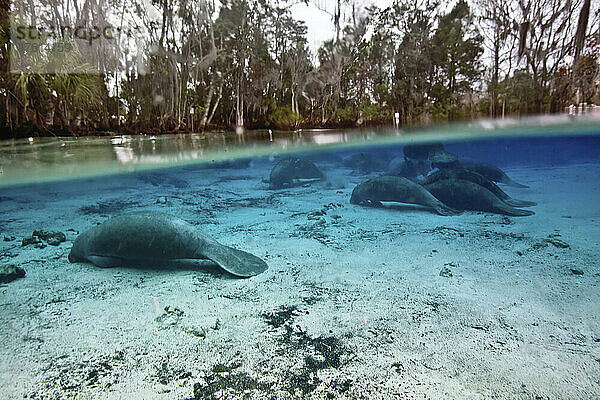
(466, 195)
(397, 189)
(149, 238)
(472, 176)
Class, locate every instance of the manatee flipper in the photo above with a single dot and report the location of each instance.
(105, 262)
(234, 261)
(372, 203)
(443, 209)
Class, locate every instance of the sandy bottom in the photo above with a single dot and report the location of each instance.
(352, 306)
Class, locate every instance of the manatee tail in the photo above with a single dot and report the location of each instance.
(519, 203)
(510, 182)
(443, 209)
(505, 209)
(234, 261)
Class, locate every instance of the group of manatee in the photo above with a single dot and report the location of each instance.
(152, 238)
(447, 185)
(426, 175)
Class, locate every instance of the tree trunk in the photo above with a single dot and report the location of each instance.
(164, 24)
(336, 21)
(219, 96)
(205, 111)
(239, 107)
(239, 112)
(582, 24)
(4, 63)
(495, 70)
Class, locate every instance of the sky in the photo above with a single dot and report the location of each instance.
(319, 23)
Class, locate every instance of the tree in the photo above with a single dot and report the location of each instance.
(456, 52)
(496, 25)
(545, 29)
(246, 64)
(414, 64)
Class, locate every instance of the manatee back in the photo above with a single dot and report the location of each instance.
(387, 188)
(488, 170)
(462, 194)
(289, 169)
(471, 196)
(374, 190)
(467, 175)
(143, 236)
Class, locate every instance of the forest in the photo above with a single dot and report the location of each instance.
(196, 65)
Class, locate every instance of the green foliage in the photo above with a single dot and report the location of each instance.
(70, 92)
(248, 63)
(374, 112)
(414, 66)
(456, 52)
(347, 114)
(284, 118)
(518, 93)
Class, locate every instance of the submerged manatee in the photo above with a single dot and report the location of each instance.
(466, 195)
(443, 159)
(472, 176)
(363, 163)
(408, 167)
(491, 172)
(398, 189)
(421, 151)
(288, 170)
(151, 238)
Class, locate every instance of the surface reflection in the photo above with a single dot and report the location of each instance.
(38, 159)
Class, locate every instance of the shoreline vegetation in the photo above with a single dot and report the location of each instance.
(244, 65)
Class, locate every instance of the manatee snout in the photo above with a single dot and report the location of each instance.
(73, 258)
(77, 253)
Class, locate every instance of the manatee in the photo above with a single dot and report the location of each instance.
(472, 176)
(363, 163)
(466, 195)
(289, 170)
(421, 151)
(398, 189)
(408, 167)
(397, 166)
(443, 159)
(491, 172)
(150, 238)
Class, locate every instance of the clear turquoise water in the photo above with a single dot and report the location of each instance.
(358, 302)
